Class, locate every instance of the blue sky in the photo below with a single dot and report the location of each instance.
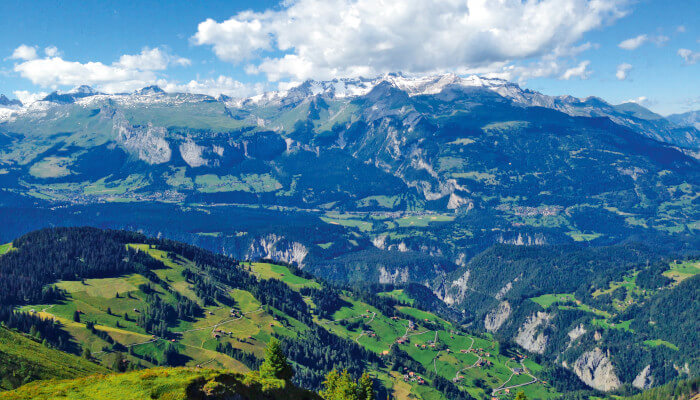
(648, 51)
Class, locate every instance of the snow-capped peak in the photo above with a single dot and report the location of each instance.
(83, 90)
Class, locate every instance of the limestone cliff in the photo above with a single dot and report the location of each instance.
(595, 370)
(530, 335)
(496, 317)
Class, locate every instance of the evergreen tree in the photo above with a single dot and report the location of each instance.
(76, 316)
(119, 364)
(365, 389)
(330, 385)
(86, 353)
(275, 365)
(341, 386)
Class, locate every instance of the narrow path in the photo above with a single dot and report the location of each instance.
(374, 314)
(471, 366)
(438, 353)
(226, 321)
(503, 385)
(205, 363)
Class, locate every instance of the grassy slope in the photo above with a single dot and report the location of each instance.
(19, 353)
(252, 330)
(159, 383)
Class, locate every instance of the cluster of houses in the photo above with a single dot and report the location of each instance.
(218, 333)
(410, 376)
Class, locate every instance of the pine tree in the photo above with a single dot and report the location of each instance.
(330, 385)
(347, 388)
(365, 389)
(86, 353)
(118, 365)
(76, 316)
(275, 365)
(341, 386)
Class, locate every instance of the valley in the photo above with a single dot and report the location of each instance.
(457, 237)
(105, 318)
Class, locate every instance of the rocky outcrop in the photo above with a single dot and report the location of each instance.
(595, 370)
(496, 317)
(278, 248)
(530, 335)
(577, 332)
(192, 154)
(504, 290)
(524, 240)
(457, 290)
(380, 242)
(644, 380)
(397, 276)
(456, 202)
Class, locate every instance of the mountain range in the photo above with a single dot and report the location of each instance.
(540, 219)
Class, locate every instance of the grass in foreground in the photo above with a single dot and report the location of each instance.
(23, 360)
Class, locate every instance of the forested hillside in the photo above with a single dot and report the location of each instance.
(127, 301)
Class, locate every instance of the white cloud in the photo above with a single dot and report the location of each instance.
(24, 52)
(622, 71)
(236, 39)
(690, 57)
(680, 29)
(27, 97)
(642, 101)
(333, 38)
(131, 72)
(55, 72)
(580, 71)
(214, 87)
(151, 60)
(52, 51)
(633, 43)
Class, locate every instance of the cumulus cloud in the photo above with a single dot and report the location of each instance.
(633, 43)
(151, 60)
(333, 38)
(129, 73)
(580, 71)
(52, 51)
(55, 72)
(27, 97)
(24, 52)
(690, 57)
(622, 71)
(214, 87)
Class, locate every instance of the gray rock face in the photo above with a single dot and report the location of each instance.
(530, 335)
(458, 289)
(397, 276)
(495, 319)
(148, 142)
(192, 154)
(595, 370)
(278, 248)
(577, 332)
(644, 380)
